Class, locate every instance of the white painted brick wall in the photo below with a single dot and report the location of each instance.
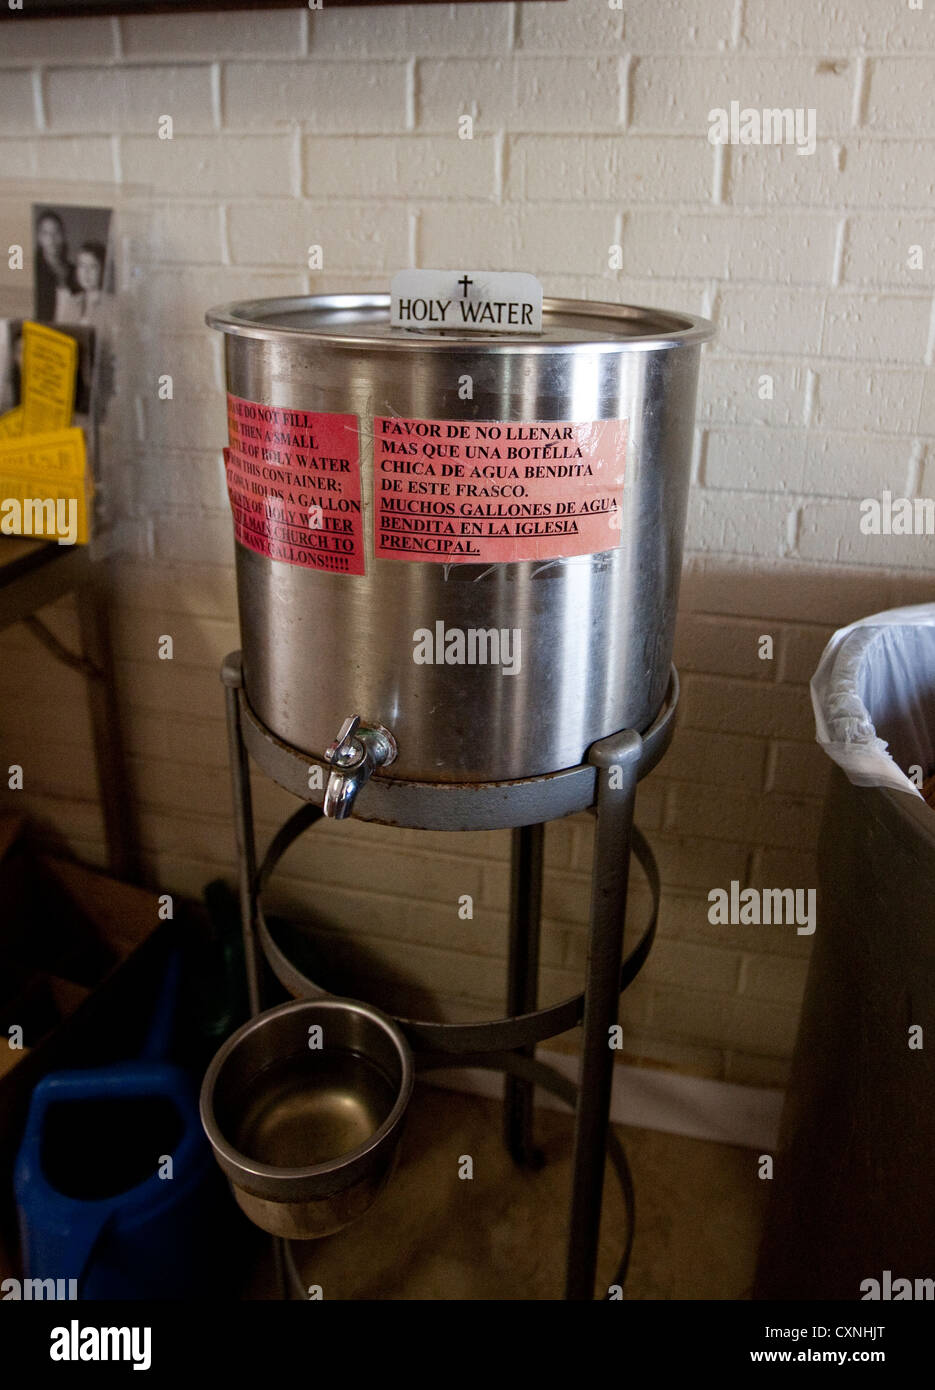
(399, 167)
(265, 33)
(401, 30)
(856, 173)
(211, 166)
(77, 41)
(791, 248)
(721, 646)
(68, 158)
(523, 93)
(869, 398)
(737, 523)
(671, 26)
(804, 462)
(760, 318)
(190, 421)
(347, 96)
(463, 232)
(17, 102)
(180, 231)
(738, 391)
(892, 328)
(901, 98)
(838, 26)
(927, 416)
(177, 298)
(590, 129)
(608, 169)
(800, 768)
(833, 528)
(676, 94)
(118, 100)
(877, 249)
(714, 759)
(541, 28)
(360, 237)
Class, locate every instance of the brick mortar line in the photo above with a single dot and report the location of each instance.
(659, 206)
(825, 499)
(900, 134)
(412, 95)
(668, 836)
(368, 935)
(638, 135)
(596, 51)
(721, 212)
(827, 431)
(915, 139)
(391, 898)
(867, 570)
(283, 269)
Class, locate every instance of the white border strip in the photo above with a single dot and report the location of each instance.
(651, 1098)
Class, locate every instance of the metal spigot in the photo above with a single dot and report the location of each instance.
(354, 756)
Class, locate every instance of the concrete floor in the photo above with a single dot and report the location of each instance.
(432, 1235)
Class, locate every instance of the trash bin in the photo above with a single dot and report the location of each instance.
(851, 1211)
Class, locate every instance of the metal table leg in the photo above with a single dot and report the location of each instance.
(523, 981)
(617, 760)
(232, 678)
(113, 783)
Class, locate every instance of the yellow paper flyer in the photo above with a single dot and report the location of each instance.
(50, 363)
(44, 487)
(59, 454)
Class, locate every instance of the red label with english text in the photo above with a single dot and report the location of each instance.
(293, 478)
(488, 492)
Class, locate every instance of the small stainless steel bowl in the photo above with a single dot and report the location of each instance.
(308, 1134)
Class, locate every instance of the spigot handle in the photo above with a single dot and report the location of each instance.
(346, 747)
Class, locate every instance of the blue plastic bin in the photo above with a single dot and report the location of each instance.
(95, 1199)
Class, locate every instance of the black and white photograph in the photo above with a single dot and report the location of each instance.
(467, 795)
(11, 364)
(73, 280)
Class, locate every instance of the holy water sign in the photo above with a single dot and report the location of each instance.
(485, 301)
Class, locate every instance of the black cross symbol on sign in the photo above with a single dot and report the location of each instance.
(465, 282)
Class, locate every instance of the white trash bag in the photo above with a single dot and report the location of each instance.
(874, 698)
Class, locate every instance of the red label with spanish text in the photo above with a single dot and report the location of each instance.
(293, 478)
(490, 491)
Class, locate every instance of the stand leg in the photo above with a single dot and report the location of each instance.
(232, 678)
(523, 981)
(617, 761)
(280, 1269)
(243, 824)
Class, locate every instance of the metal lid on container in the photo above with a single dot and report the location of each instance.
(363, 320)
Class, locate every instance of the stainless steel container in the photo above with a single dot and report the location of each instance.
(595, 629)
(307, 1127)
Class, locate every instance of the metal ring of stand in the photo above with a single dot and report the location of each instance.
(607, 783)
(447, 805)
(493, 1035)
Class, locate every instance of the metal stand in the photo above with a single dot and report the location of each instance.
(523, 981)
(606, 782)
(616, 798)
